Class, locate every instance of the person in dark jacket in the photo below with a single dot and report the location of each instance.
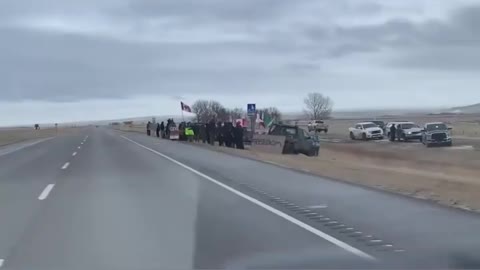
(203, 133)
(162, 129)
(196, 130)
(149, 126)
(211, 132)
(220, 134)
(238, 136)
(393, 132)
(167, 128)
(228, 134)
(158, 130)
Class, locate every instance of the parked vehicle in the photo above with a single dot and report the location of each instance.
(380, 124)
(317, 126)
(296, 140)
(408, 131)
(436, 133)
(386, 129)
(365, 131)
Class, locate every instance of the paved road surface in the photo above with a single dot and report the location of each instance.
(103, 199)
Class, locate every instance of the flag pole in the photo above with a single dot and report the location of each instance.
(181, 108)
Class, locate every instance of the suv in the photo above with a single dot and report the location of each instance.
(317, 126)
(297, 140)
(436, 133)
(408, 131)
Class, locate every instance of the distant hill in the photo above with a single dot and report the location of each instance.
(475, 108)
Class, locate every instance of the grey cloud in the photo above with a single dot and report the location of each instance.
(69, 67)
(434, 44)
(345, 49)
(211, 10)
(283, 39)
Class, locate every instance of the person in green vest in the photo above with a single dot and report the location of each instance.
(189, 133)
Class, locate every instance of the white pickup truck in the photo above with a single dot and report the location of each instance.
(365, 131)
(317, 126)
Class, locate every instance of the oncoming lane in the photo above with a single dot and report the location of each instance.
(27, 177)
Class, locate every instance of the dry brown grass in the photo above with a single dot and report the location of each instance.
(463, 125)
(447, 182)
(9, 136)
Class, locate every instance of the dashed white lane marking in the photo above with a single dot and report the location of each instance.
(45, 192)
(79, 147)
(1, 262)
(279, 213)
(318, 206)
(65, 165)
(460, 147)
(74, 154)
(81, 143)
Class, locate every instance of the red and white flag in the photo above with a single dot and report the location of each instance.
(185, 107)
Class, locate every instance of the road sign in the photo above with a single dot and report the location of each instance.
(251, 109)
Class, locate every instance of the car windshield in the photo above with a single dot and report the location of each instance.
(436, 127)
(369, 125)
(292, 163)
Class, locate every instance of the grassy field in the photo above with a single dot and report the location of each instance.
(15, 135)
(463, 125)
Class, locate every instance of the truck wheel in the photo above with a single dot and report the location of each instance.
(428, 145)
(364, 136)
(326, 130)
(449, 144)
(312, 153)
(352, 136)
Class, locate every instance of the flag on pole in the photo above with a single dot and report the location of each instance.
(185, 107)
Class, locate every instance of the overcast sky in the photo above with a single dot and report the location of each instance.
(103, 59)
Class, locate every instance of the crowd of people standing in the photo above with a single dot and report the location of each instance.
(225, 133)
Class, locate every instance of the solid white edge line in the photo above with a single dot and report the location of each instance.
(279, 213)
(25, 146)
(65, 165)
(45, 192)
(74, 154)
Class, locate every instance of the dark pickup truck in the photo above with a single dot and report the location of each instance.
(436, 134)
(297, 140)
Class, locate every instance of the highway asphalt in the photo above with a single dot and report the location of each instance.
(105, 199)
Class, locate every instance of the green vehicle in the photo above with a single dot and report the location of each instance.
(297, 140)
